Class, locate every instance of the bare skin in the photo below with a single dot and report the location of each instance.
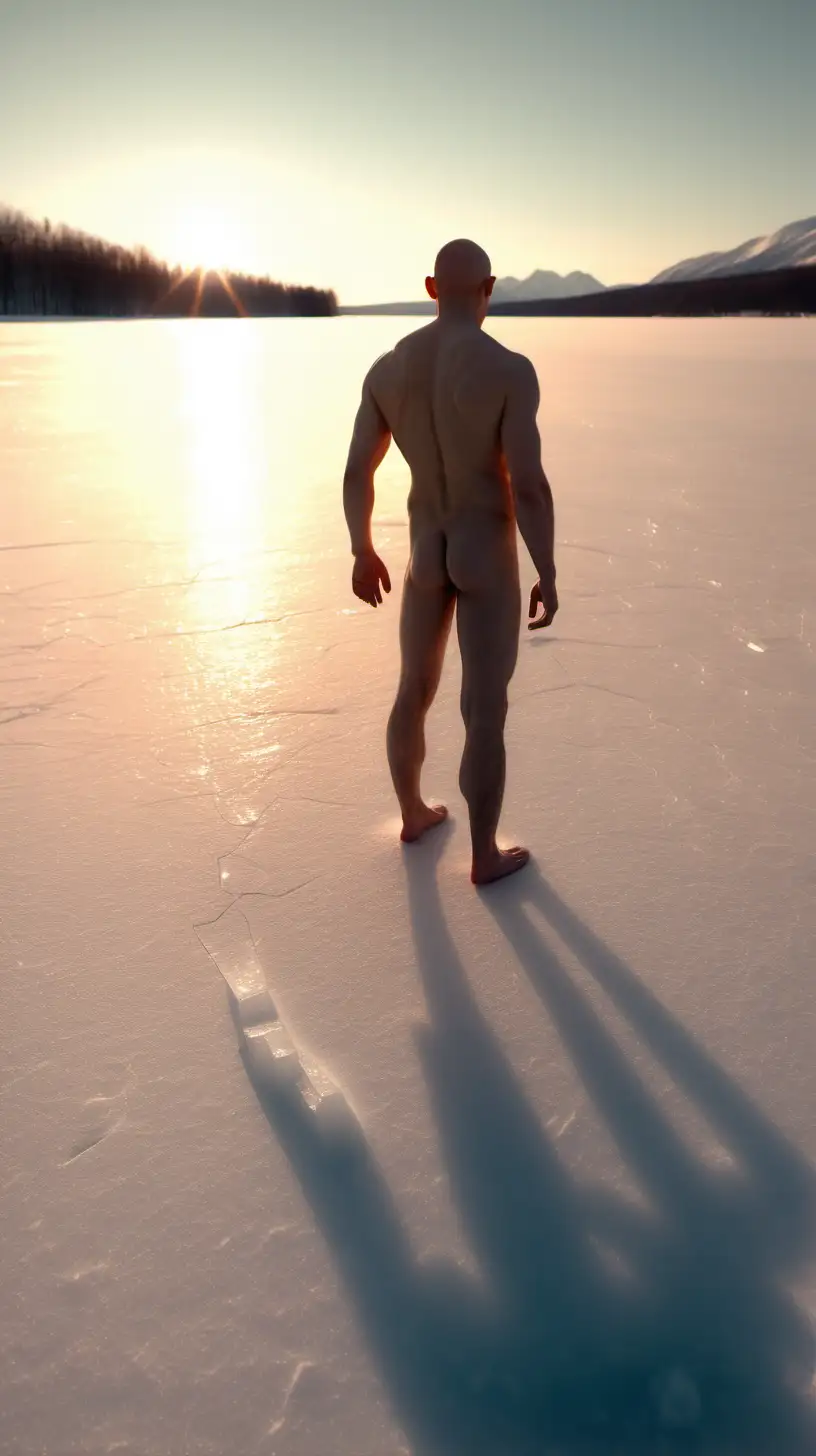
(462, 411)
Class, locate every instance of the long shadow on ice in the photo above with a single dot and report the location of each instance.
(595, 1325)
(713, 1252)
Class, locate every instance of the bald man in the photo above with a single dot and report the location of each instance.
(462, 410)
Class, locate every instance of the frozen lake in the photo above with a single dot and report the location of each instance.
(575, 1212)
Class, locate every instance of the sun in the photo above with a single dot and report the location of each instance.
(205, 236)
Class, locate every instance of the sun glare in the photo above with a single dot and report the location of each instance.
(205, 237)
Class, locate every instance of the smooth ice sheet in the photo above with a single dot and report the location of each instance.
(540, 1170)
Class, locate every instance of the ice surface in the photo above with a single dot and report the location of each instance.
(539, 1173)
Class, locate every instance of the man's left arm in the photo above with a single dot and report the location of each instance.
(369, 442)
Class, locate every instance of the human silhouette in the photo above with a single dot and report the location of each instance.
(462, 410)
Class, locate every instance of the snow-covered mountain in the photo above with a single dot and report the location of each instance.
(545, 284)
(791, 246)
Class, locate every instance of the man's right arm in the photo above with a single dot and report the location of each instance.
(521, 447)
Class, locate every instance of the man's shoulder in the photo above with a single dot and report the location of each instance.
(520, 364)
(515, 365)
(520, 372)
(388, 369)
(380, 373)
(385, 363)
(511, 366)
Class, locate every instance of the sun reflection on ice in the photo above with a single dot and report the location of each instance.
(225, 455)
(231, 640)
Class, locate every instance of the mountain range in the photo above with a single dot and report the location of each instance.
(545, 284)
(792, 246)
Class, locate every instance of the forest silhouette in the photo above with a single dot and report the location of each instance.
(57, 272)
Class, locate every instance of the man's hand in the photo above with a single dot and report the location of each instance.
(545, 595)
(368, 574)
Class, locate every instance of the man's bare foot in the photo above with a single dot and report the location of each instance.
(427, 816)
(499, 864)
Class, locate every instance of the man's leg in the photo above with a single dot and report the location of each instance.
(425, 622)
(488, 627)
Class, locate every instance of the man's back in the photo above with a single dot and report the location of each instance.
(442, 391)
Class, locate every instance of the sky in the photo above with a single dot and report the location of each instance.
(339, 143)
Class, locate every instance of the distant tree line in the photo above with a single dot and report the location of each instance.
(56, 272)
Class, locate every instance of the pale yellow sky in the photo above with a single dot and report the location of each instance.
(258, 212)
(339, 143)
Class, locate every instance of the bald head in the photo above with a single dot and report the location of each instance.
(462, 282)
(460, 267)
